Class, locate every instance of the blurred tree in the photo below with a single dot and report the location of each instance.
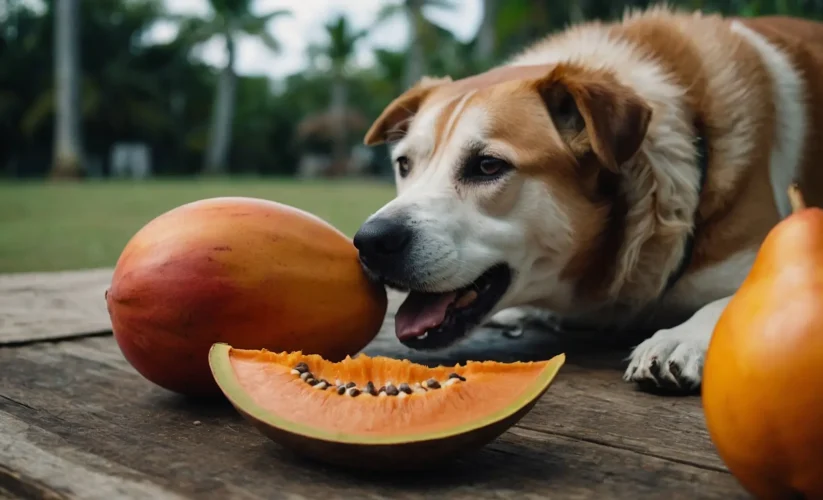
(123, 82)
(135, 89)
(338, 50)
(264, 129)
(25, 69)
(229, 19)
(421, 29)
(486, 43)
(68, 162)
(110, 53)
(390, 67)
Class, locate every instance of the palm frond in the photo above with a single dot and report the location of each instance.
(231, 8)
(174, 18)
(258, 26)
(254, 25)
(195, 30)
(440, 4)
(270, 41)
(274, 14)
(342, 40)
(388, 11)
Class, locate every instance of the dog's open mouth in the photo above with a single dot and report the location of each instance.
(433, 320)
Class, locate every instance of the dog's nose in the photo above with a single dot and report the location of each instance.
(382, 238)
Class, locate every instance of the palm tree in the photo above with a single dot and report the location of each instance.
(342, 41)
(420, 28)
(229, 19)
(67, 135)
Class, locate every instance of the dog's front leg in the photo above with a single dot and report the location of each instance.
(673, 358)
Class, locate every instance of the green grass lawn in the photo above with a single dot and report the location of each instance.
(51, 227)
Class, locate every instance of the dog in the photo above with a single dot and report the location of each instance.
(613, 175)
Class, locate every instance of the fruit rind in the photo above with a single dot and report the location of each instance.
(418, 448)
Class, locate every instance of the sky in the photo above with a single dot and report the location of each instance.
(306, 25)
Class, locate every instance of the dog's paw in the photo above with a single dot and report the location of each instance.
(670, 359)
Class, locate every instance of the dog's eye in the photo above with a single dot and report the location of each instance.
(402, 166)
(492, 166)
(483, 168)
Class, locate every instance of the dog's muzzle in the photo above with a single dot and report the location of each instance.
(383, 244)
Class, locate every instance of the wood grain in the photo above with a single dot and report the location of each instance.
(49, 306)
(76, 421)
(50, 469)
(81, 408)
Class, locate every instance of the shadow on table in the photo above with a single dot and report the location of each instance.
(585, 348)
(498, 465)
(601, 350)
(509, 463)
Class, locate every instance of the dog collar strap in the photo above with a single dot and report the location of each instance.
(688, 248)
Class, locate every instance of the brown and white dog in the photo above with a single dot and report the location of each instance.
(613, 175)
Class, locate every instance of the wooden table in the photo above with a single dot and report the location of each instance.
(76, 421)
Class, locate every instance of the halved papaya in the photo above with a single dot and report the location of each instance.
(378, 412)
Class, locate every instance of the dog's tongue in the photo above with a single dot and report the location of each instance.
(420, 312)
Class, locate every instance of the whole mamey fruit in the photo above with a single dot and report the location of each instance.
(255, 273)
(378, 413)
(763, 374)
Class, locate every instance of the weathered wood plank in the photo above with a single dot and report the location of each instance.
(26, 493)
(51, 469)
(588, 413)
(584, 439)
(49, 306)
(664, 426)
(650, 426)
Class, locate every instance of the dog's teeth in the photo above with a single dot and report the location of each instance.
(465, 299)
(423, 336)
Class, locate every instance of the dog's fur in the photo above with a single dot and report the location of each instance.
(600, 122)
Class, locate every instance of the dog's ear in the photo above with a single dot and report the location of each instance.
(593, 111)
(394, 120)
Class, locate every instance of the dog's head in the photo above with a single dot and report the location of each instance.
(505, 189)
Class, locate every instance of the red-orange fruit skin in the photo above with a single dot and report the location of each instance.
(250, 272)
(763, 374)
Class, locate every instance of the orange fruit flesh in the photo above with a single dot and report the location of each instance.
(490, 387)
